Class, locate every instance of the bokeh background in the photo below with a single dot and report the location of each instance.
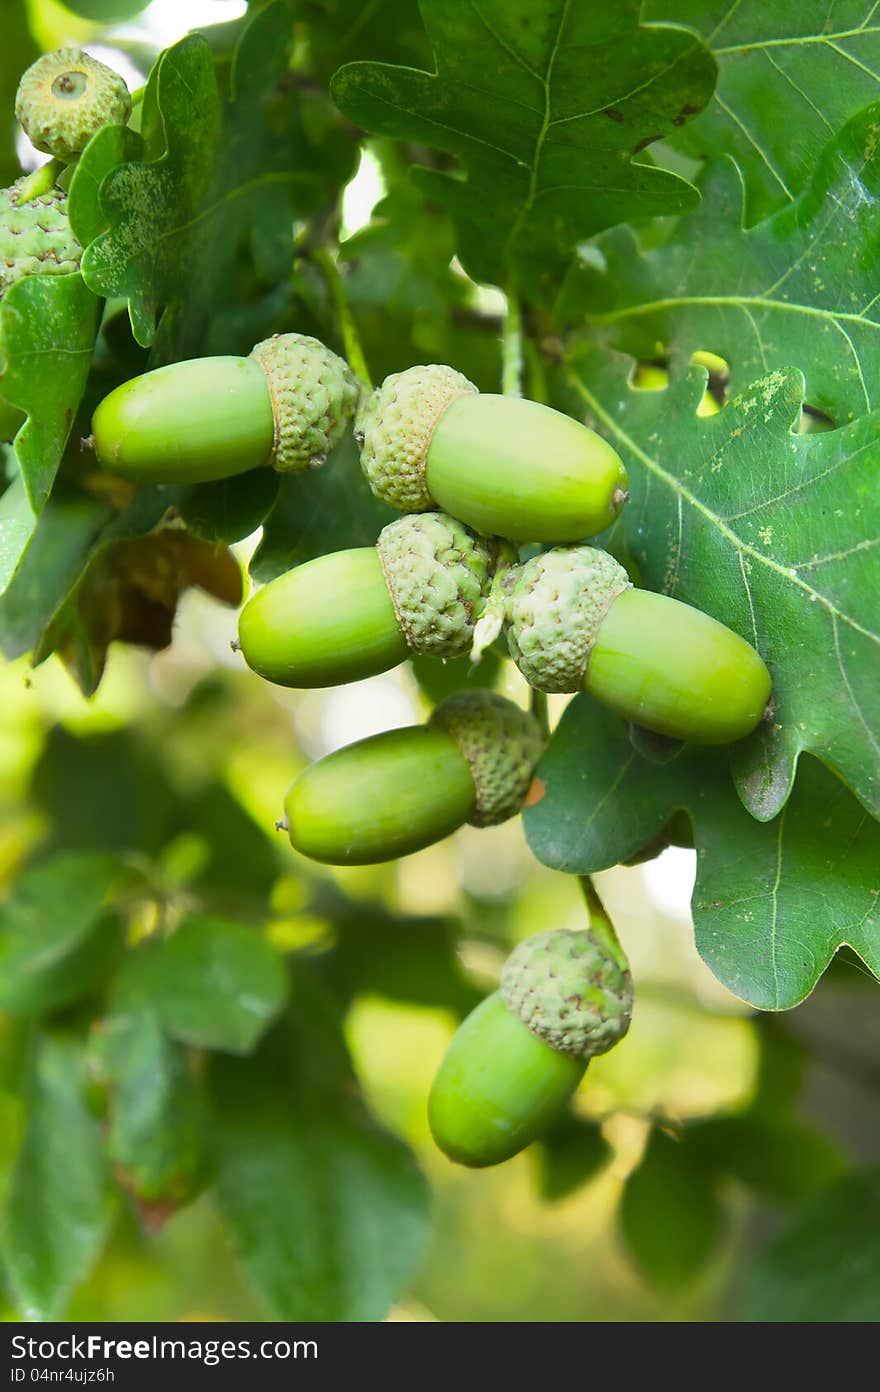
(207, 751)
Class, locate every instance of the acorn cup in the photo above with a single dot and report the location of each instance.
(564, 997)
(348, 615)
(506, 466)
(574, 622)
(286, 405)
(65, 97)
(35, 237)
(398, 792)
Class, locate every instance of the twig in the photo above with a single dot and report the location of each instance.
(350, 336)
(540, 711)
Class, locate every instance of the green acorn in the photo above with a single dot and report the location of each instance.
(398, 792)
(564, 997)
(287, 405)
(65, 97)
(505, 466)
(574, 622)
(35, 237)
(351, 614)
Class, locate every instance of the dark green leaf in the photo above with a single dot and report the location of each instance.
(130, 593)
(110, 819)
(740, 517)
(57, 939)
(328, 1213)
(17, 523)
(797, 291)
(213, 983)
(241, 860)
(218, 180)
(329, 510)
(409, 303)
(773, 901)
(339, 30)
(60, 1200)
(825, 1268)
(570, 1155)
(780, 1157)
(231, 509)
(788, 74)
(670, 1214)
(70, 530)
(155, 1131)
(47, 333)
(108, 148)
(546, 104)
(441, 679)
(407, 959)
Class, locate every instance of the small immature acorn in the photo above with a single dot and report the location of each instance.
(287, 405)
(574, 622)
(65, 97)
(352, 614)
(506, 466)
(35, 237)
(572, 989)
(398, 792)
(564, 997)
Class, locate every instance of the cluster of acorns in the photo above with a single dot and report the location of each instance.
(473, 474)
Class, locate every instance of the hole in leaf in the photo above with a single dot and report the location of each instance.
(649, 376)
(653, 375)
(719, 381)
(813, 421)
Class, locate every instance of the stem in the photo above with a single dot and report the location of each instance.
(537, 372)
(540, 711)
(350, 336)
(512, 348)
(41, 180)
(591, 896)
(596, 910)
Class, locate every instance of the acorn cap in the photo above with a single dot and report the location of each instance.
(554, 606)
(572, 989)
(314, 397)
(395, 428)
(502, 745)
(437, 572)
(64, 97)
(35, 237)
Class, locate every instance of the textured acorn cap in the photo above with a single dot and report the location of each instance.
(554, 606)
(64, 97)
(35, 237)
(314, 397)
(438, 573)
(395, 428)
(572, 989)
(502, 745)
